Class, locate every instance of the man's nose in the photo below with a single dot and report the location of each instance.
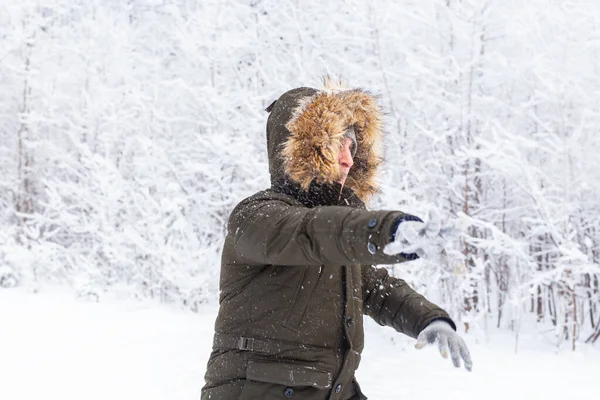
(346, 158)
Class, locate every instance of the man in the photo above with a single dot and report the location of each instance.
(297, 270)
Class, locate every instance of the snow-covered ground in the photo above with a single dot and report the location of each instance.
(53, 346)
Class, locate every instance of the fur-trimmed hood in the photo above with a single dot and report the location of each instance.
(305, 132)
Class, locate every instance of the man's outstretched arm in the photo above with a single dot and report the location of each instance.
(392, 302)
(271, 231)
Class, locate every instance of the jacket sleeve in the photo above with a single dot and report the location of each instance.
(392, 302)
(271, 231)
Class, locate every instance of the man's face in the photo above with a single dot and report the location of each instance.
(345, 159)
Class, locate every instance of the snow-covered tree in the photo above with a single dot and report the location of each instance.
(129, 131)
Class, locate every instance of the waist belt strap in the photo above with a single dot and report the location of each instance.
(258, 345)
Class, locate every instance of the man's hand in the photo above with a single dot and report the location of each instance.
(448, 341)
(425, 238)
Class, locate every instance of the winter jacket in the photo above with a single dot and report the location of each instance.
(297, 270)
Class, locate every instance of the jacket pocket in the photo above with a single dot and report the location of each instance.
(269, 380)
(307, 283)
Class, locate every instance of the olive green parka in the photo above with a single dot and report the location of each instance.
(297, 270)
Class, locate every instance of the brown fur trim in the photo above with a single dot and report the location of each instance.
(317, 129)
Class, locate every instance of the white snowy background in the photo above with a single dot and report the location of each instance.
(130, 129)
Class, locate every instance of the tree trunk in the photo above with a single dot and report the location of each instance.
(24, 196)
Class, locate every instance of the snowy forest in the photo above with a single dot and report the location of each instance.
(130, 129)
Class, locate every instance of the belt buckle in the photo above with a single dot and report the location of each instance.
(246, 344)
